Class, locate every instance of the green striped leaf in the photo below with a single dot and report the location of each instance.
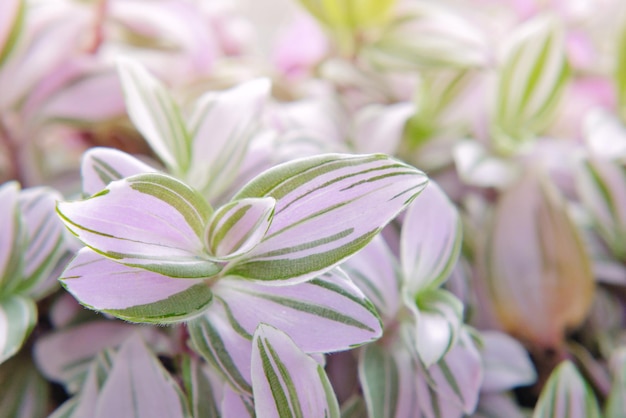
(100, 166)
(156, 115)
(237, 405)
(237, 227)
(286, 382)
(11, 23)
(139, 386)
(620, 69)
(328, 207)
(203, 389)
(351, 14)
(566, 394)
(12, 239)
(23, 392)
(131, 293)
(18, 316)
(46, 240)
(531, 82)
(615, 406)
(221, 126)
(379, 374)
(150, 220)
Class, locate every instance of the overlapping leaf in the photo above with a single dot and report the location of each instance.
(287, 382)
(131, 293)
(150, 220)
(22, 389)
(431, 240)
(203, 390)
(100, 166)
(139, 386)
(11, 19)
(328, 207)
(156, 115)
(12, 239)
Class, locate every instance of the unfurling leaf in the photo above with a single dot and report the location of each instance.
(285, 381)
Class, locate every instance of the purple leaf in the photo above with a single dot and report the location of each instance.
(328, 207)
(506, 363)
(130, 293)
(12, 238)
(431, 240)
(139, 386)
(237, 405)
(150, 220)
(100, 166)
(378, 128)
(287, 382)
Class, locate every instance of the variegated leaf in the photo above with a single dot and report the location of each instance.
(285, 381)
(221, 127)
(151, 221)
(328, 207)
(18, 316)
(379, 128)
(202, 388)
(156, 115)
(226, 349)
(531, 81)
(46, 236)
(566, 394)
(100, 166)
(12, 239)
(458, 376)
(388, 379)
(430, 243)
(65, 356)
(354, 407)
(343, 317)
(602, 188)
(616, 402)
(349, 14)
(139, 386)
(22, 389)
(374, 270)
(237, 227)
(438, 318)
(132, 293)
(11, 24)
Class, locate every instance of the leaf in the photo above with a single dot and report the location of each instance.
(12, 239)
(476, 167)
(327, 208)
(203, 390)
(156, 115)
(150, 220)
(438, 318)
(221, 127)
(23, 389)
(100, 166)
(349, 14)
(430, 242)
(615, 406)
(531, 82)
(458, 376)
(18, 316)
(11, 25)
(237, 227)
(566, 395)
(225, 349)
(133, 294)
(66, 356)
(379, 128)
(46, 236)
(506, 363)
(139, 386)
(343, 317)
(374, 270)
(285, 381)
(237, 405)
(388, 379)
